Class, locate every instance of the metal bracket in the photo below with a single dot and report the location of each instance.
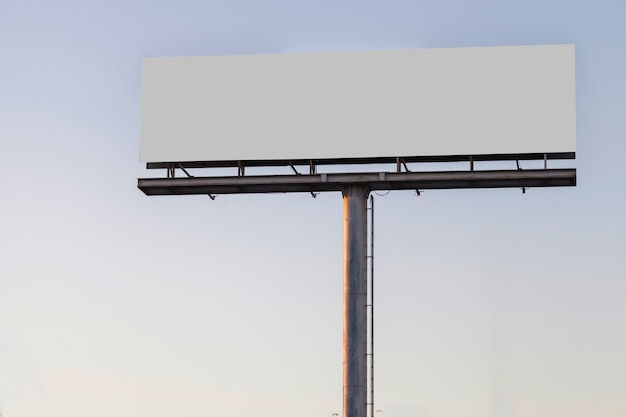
(311, 170)
(294, 168)
(400, 162)
(241, 169)
(171, 170)
(519, 168)
(184, 170)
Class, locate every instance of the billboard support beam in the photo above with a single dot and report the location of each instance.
(355, 300)
(372, 180)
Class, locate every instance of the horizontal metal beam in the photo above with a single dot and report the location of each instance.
(351, 161)
(373, 180)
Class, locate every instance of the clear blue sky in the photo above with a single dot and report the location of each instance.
(489, 302)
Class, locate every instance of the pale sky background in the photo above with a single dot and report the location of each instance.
(489, 302)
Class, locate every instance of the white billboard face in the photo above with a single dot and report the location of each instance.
(425, 102)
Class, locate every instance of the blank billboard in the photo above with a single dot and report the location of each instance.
(423, 102)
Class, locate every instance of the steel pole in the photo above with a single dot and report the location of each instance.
(355, 301)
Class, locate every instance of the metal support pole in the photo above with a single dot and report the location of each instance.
(371, 303)
(355, 301)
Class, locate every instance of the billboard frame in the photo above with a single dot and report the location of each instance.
(402, 178)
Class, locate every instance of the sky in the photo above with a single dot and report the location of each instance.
(488, 302)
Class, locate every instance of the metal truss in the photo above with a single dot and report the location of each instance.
(402, 178)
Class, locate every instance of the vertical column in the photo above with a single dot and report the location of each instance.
(355, 301)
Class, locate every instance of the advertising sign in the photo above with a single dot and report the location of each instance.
(400, 103)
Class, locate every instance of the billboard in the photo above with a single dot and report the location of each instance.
(399, 103)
